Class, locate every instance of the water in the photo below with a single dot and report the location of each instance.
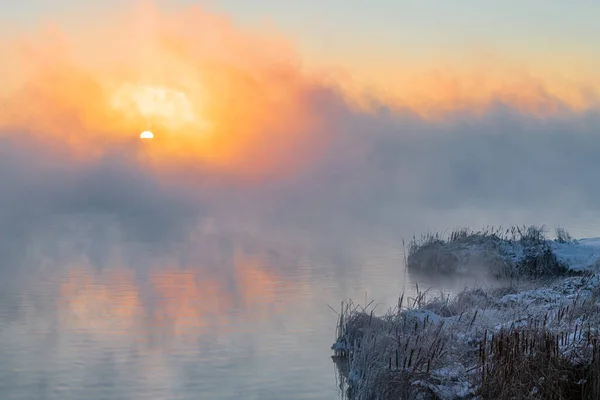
(231, 316)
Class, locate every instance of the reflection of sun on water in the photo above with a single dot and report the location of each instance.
(184, 301)
(191, 299)
(103, 302)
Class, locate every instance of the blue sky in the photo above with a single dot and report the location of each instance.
(328, 25)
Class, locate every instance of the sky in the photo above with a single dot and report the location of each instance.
(386, 24)
(406, 28)
(376, 36)
(390, 43)
(258, 122)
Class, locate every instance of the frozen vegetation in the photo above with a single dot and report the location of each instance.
(535, 337)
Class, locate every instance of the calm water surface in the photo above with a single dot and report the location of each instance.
(230, 317)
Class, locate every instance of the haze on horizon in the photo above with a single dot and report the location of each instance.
(250, 125)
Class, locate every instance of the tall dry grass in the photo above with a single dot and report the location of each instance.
(537, 342)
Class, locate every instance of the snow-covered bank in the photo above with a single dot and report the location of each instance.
(579, 255)
(503, 253)
(527, 340)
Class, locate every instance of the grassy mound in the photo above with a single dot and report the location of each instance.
(501, 253)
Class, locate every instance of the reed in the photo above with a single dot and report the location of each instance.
(536, 362)
(529, 341)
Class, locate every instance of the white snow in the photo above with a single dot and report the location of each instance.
(583, 254)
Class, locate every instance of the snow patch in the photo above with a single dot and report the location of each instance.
(580, 255)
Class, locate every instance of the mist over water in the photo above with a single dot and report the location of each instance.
(116, 287)
(202, 265)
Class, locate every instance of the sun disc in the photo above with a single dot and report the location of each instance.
(146, 135)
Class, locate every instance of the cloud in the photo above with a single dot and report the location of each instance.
(255, 140)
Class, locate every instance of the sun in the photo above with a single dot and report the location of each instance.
(146, 135)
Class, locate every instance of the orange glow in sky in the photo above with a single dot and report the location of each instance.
(217, 95)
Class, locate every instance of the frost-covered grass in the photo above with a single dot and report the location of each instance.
(528, 340)
(502, 253)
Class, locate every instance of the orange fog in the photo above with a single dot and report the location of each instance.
(213, 94)
(209, 93)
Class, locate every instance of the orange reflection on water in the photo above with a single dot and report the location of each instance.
(184, 301)
(194, 299)
(180, 301)
(106, 301)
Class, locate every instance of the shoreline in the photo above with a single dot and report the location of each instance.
(536, 337)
